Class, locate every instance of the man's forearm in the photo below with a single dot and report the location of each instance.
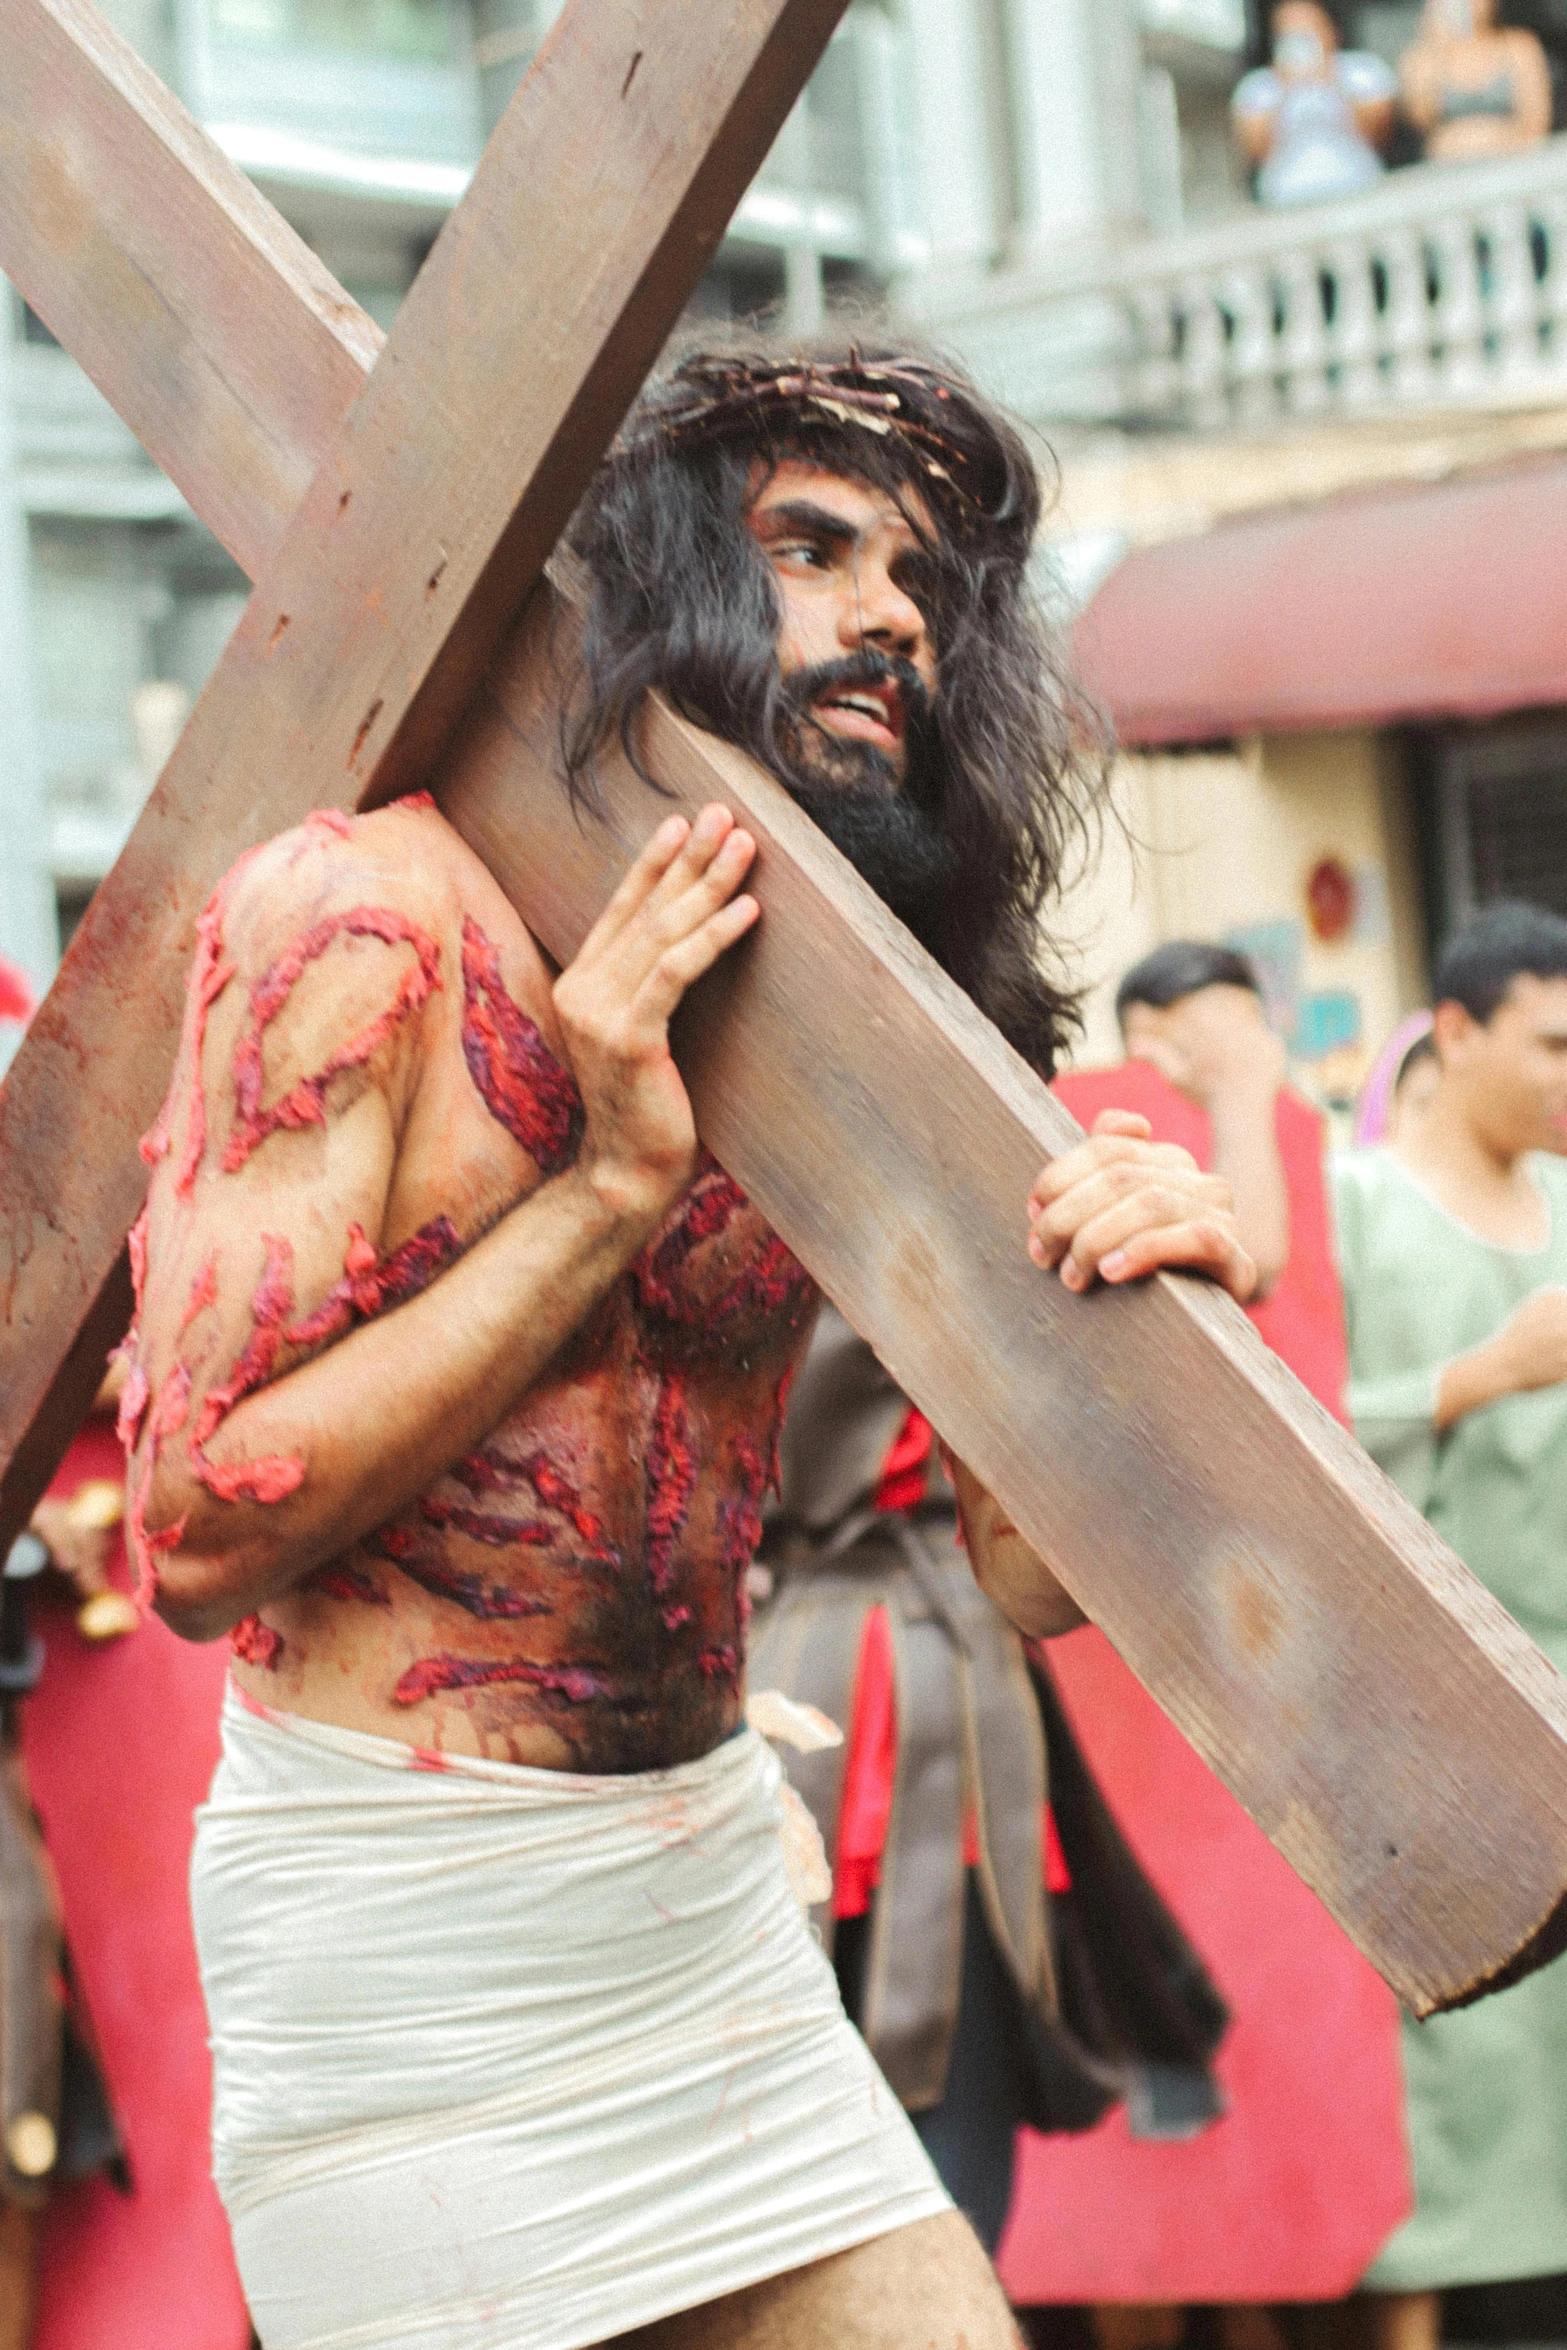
(380, 1415)
(1470, 1381)
(1246, 1154)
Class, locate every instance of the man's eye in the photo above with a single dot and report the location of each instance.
(800, 551)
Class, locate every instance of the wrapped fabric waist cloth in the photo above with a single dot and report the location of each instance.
(512, 2059)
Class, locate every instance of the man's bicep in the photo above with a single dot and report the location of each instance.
(273, 1160)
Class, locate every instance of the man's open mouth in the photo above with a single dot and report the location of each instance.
(863, 713)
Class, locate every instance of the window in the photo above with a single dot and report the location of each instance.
(422, 31)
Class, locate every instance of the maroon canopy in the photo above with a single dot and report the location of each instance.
(1438, 600)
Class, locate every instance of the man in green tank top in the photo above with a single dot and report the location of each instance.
(1453, 1245)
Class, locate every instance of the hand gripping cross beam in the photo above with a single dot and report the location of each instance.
(1376, 1711)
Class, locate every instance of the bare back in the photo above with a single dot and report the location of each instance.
(372, 1076)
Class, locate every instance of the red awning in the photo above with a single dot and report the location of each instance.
(1441, 600)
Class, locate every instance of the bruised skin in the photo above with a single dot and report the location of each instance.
(572, 1590)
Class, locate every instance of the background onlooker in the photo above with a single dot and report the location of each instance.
(1453, 1245)
(1289, 2196)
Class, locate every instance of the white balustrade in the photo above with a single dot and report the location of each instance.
(1444, 286)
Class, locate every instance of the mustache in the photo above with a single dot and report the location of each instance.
(806, 687)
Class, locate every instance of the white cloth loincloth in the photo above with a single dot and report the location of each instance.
(515, 2059)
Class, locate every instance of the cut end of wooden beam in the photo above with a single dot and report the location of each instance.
(1547, 1942)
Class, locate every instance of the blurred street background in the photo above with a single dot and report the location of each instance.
(1310, 452)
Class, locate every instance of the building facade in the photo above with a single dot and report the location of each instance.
(1050, 188)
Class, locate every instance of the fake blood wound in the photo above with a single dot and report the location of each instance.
(168, 1418)
(346, 1582)
(490, 1526)
(471, 1592)
(255, 1643)
(579, 1684)
(203, 1293)
(371, 1284)
(769, 1280)
(671, 1480)
(276, 1475)
(305, 1102)
(489, 1470)
(522, 1084)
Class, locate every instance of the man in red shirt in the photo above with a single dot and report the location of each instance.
(1293, 2191)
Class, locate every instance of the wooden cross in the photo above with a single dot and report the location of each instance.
(1377, 1712)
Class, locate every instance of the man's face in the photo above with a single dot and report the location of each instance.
(1509, 1075)
(858, 664)
(846, 559)
(1214, 1035)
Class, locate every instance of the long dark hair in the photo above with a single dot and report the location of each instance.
(683, 600)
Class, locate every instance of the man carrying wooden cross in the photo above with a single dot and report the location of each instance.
(520, 2037)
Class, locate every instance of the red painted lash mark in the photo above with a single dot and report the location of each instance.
(133, 1397)
(136, 1250)
(471, 1592)
(740, 1527)
(428, 1758)
(348, 1583)
(304, 1103)
(764, 1285)
(489, 1470)
(370, 1285)
(488, 1526)
(720, 1663)
(671, 1479)
(414, 799)
(271, 1479)
(393, 1542)
(203, 1293)
(146, 1549)
(521, 1083)
(780, 1407)
(255, 1643)
(330, 821)
(209, 977)
(275, 1475)
(434, 1673)
(201, 992)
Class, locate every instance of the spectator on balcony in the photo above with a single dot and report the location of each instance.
(1312, 123)
(1473, 88)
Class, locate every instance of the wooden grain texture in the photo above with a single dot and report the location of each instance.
(1378, 1713)
(429, 504)
(168, 276)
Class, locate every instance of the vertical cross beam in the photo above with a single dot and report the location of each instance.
(1369, 1702)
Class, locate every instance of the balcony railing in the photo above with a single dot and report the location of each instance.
(1444, 287)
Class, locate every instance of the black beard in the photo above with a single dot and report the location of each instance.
(886, 825)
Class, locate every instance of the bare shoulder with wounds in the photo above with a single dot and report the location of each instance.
(370, 1076)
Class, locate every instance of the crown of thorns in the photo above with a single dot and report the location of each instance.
(906, 401)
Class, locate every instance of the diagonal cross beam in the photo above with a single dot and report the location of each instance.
(1374, 1708)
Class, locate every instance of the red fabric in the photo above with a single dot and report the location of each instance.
(17, 1001)
(1303, 1319)
(871, 1763)
(903, 1472)
(120, 1743)
(1440, 600)
(1292, 2193)
(869, 1770)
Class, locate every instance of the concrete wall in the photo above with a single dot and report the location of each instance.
(1220, 846)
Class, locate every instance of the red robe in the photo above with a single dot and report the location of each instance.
(120, 1742)
(1290, 2195)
